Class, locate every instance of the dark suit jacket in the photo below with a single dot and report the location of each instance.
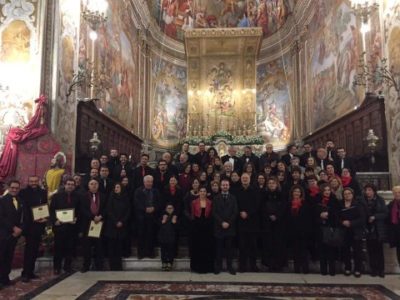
(305, 156)
(200, 158)
(267, 158)
(286, 159)
(86, 215)
(326, 161)
(116, 173)
(348, 163)
(248, 202)
(30, 198)
(9, 216)
(237, 165)
(252, 158)
(118, 210)
(160, 184)
(108, 188)
(225, 211)
(140, 203)
(137, 175)
(60, 201)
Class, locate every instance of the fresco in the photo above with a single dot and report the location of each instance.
(176, 16)
(118, 60)
(274, 84)
(332, 60)
(169, 98)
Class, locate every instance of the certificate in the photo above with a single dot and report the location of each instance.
(65, 215)
(95, 229)
(40, 212)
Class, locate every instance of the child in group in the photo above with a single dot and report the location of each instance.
(167, 237)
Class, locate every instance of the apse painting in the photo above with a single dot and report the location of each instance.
(169, 94)
(333, 59)
(274, 80)
(118, 61)
(176, 16)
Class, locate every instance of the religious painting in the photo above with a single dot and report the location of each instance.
(118, 63)
(176, 16)
(332, 60)
(15, 42)
(274, 81)
(169, 99)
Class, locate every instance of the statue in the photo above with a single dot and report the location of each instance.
(53, 176)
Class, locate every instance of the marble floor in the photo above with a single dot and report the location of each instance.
(75, 285)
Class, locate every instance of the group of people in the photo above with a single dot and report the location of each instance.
(307, 206)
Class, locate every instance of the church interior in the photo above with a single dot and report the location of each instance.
(80, 79)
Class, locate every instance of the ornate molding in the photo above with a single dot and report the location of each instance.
(223, 32)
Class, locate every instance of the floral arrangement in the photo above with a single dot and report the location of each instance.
(48, 240)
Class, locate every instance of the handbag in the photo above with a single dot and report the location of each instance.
(332, 236)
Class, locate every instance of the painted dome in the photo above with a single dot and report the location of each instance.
(176, 16)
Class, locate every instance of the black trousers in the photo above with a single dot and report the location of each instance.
(300, 255)
(92, 247)
(327, 258)
(146, 236)
(115, 249)
(274, 254)
(7, 247)
(32, 243)
(224, 246)
(247, 249)
(64, 247)
(375, 255)
(168, 252)
(352, 249)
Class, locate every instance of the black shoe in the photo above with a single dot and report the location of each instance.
(217, 271)
(25, 279)
(231, 271)
(347, 272)
(34, 276)
(84, 270)
(381, 274)
(254, 269)
(56, 271)
(357, 274)
(373, 274)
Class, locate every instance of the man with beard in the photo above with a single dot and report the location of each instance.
(31, 196)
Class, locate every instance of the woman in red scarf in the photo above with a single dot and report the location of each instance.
(349, 181)
(312, 192)
(300, 228)
(394, 221)
(327, 212)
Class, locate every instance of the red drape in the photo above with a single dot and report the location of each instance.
(35, 128)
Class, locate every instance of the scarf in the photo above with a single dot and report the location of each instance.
(325, 200)
(296, 204)
(314, 190)
(172, 190)
(395, 212)
(346, 181)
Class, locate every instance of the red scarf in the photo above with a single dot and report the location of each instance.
(296, 204)
(395, 213)
(325, 200)
(314, 191)
(346, 181)
(172, 190)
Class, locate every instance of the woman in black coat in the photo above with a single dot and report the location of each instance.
(273, 212)
(327, 215)
(116, 226)
(352, 218)
(394, 221)
(299, 227)
(377, 213)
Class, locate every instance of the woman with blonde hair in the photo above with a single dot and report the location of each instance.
(336, 187)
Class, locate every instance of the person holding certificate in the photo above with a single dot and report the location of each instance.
(10, 229)
(117, 213)
(35, 217)
(63, 207)
(92, 211)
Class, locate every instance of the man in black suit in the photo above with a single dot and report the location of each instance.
(92, 208)
(233, 159)
(248, 224)
(65, 234)
(147, 205)
(342, 161)
(184, 150)
(201, 157)
(268, 157)
(308, 152)
(141, 171)
(162, 175)
(106, 184)
(172, 169)
(113, 161)
(322, 158)
(10, 229)
(250, 157)
(225, 212)
(123, 165)
(31, 196)
(330, 150)
(291, 152)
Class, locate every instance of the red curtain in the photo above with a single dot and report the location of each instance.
(35, 128)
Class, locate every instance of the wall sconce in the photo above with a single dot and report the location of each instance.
(372, 141)
(95, 15)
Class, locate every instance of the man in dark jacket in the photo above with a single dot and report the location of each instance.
(248, 224)
(249, 157)
(147, 204)
(225, 213)
(233, 159)
(64, 233)
(106, 184)
(10, 229)
(269, 157)
(32, 196)
(141, 171)
(92, 208)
